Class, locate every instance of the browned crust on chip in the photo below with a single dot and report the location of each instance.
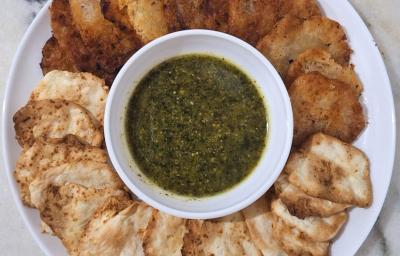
(299, 8)
(328, 106)
(250, 20)
(291, 36)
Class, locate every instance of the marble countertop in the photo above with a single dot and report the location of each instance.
(383, 20)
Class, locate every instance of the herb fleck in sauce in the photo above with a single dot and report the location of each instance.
(196, 125)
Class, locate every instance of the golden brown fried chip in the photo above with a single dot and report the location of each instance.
(97, 45)
(146, 18)
(251, 20)
(323, 105)
(224, 236)
(56, 58)
(333, 170)
(67, 210)
(83, 89)
(196, 14)
(35, 160)
(319, 60)
(116, 230)
(88, 173)
(303, 9)
(164, 235)
(259, 221)
(116, 13)
(317, 229)
(53, 120)
(292, 36)
(294, 243)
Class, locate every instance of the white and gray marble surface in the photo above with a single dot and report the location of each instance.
(382, 18)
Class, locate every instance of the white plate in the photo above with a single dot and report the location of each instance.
(378, 140)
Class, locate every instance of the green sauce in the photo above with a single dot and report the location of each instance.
(196, 125)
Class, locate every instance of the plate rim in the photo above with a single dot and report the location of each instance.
(12, 73)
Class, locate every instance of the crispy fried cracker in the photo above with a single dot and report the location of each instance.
(323, 105)
(319, 60)
(292, 36)
(259, 221)
(88, 173)
(42, 156)
(303, 9)
(333, 170)
(53, 120)
(164, 235)
(294, 243)
(83, 89)
(316, 229)
(67, 210)
(116, 230)
(56, 58)
(146, 18)
(251, 20)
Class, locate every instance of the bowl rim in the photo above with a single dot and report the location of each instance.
(148, 199)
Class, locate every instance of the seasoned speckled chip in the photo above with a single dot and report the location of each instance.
(299, 8)
(315, 228)
(35, 160)
(333, 170)
(53, 121)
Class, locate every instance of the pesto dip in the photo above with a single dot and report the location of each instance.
(196, 125)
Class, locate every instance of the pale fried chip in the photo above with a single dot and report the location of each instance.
(299, 203)
(224, 236)
(164, 235)
(299, 8)
(114, 231)
(67, 210)
(292, 36)
(86, 173)
(53, 120)
(315, 228)
(56, 58)
(293, 242)
(259, 221)
(83, 89)
(251, 20)
(319, 60)
(333, 170)
(42, 156)
(196, 14)
(146, 18)
(323, 105)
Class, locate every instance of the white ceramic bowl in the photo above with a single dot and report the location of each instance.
(280, 122)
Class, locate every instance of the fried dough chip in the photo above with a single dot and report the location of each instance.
(116, 13)
(251, 20)
(319, 60)
(97, 45)
(315, 228)
(41, 156)
(299, 203)
(292, 36)
(67, 209)
(259, 221)
(56, 58)
(116, 231)
(294, 243)
(323, 105)
(303, 9)
(224, 236)
(333, 170)
(196, 14)
(87, 173)
(146, 18)
(53, 120)
(83, 89)
(164, 235)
